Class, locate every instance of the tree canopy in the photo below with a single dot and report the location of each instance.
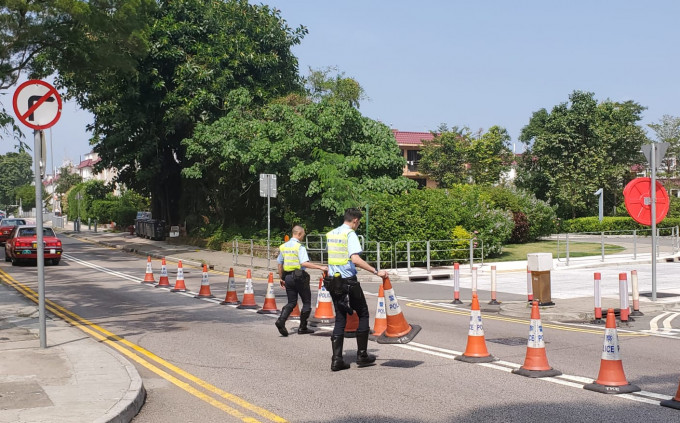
(579, 147)
(15, 171)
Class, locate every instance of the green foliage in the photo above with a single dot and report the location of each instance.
(102, 210)
(461, 243)
(25, 193)
(90, 191)
(577, 148)
(15, 171)
(540, 217)
(668, 130)
(592, 224)
(67, 179)
(320, 84)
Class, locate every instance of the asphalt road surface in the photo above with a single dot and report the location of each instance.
(205, 362)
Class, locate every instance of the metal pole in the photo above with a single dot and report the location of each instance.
(268, 219)
(377, 253)
(634, 244)
(567, 236)
(602, 244)
(653, 190)
(252, 252)
(597, 297)
(427, 246)
(408, 256)
(367, 224)
(472, 257)
(40, 250)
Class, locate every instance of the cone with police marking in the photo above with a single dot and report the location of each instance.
(232, 297)
(204, 292)
(475, 351)
(148, 277)
(179, 280)
(611, 379)
(397, 331)
(163, 281)
(380, 323)
(673, 402)
(351, 325)
(248, 294)
(324, 313)
(269, 306)
(536, 361)
(295, 314)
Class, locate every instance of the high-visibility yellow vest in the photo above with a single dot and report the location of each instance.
(338, 253)
(291, 260)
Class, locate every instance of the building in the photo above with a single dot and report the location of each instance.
(410, 144)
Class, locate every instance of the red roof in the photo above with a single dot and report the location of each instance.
(411, 138)
(89, 163)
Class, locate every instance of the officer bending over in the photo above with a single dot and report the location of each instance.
(348, 296)
(293, 260)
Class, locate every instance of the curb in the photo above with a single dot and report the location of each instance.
(131, 402)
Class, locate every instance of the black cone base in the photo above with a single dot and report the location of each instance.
(609, 389)
(468, 359)
(536, 373)
(404, 339)
(672, 403)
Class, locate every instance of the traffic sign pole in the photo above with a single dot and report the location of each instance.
(653, 189)
(40, 250)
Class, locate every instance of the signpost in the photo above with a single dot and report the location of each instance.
(37, 105)
(268, 189)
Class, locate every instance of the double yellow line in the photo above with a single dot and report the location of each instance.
(146, 359)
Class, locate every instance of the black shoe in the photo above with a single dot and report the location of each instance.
(281, 321)
(337, 362)
(281, 326)
(364, 359)
(302, 329)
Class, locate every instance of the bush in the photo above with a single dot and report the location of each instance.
(608, 224)
(102, 210)
(540, 217)
(520, 233)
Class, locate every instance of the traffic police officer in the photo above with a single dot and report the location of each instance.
(343, 259)
(293, 260)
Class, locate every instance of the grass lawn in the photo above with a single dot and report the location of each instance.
(514, 252)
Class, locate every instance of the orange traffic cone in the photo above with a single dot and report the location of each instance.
(674, 402)
(232, 297)
(248, 295)
(269, 306)
(351, 325)
(398, 331)
(179, 280)
(163, 281)
(611, 379)
(324, 313)
(475, 351)
(536, 361)
(380, 323)
(295, 314)
(148, 277)
(204, 292)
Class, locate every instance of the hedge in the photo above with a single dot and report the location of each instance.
(609, 224)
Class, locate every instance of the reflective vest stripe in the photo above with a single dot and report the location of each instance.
(338, 253)
(291, 260)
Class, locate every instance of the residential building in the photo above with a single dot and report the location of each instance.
(410, 144)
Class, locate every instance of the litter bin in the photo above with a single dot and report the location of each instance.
(540, 265)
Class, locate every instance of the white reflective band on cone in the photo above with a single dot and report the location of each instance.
(249, 287)
(476, 327)
(610, 350)
(270, 290)
(380, 312)
(148, 267)
(393, 308)
(232, 284)
(164, 271)
(535, 335)
(204, 279)
(180, 273)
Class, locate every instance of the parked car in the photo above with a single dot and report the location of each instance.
(6, 226)
(22, 245)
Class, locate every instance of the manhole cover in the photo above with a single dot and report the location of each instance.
(513, 342)
(660, 294)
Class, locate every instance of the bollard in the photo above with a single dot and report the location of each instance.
(530, 289)
(636, 294)
(474, 280)
(456, 284)
(598, 298)
(493, 287)
(623, 297)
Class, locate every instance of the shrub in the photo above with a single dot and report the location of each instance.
(520, 232)
(608, 224)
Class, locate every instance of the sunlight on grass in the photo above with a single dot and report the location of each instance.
(514, 252)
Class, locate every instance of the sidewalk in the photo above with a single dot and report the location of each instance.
(74, 379)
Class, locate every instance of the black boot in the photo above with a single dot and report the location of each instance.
(363, 357)
(302, 329)
(281, 321)
(337, 363)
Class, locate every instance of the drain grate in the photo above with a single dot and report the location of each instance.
(659, 294)
(513, 342)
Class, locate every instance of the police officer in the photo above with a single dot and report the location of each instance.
(343, 259)
(293, 260)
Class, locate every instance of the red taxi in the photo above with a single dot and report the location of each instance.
(6, 226)
(22, 245)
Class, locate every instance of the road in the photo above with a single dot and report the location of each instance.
(205, 362)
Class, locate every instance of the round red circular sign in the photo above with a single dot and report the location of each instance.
(638, 199)
(37, 104)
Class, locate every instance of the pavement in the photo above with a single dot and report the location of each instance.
(65, 381)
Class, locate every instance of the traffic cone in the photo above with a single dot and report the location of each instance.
(163, 281)
(148, 277)
(475, 351)
(380, 323)
(269, 306)
(248, 295)
(324, 313)
(232, 297)
(611, 379)
(295, 314)
(456, 284)
(536, 361)
(179, 281)
(204, 292)
(674, 402)
(398, 331)
(351, 325)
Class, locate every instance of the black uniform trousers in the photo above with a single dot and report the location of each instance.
(357, 302)
(298, 287)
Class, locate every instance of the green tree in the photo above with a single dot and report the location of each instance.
(15, 171)
(199, 51)
(326, 156)
(26, 195)
(444, 157)
(489, 156)
(668, 130)
(66, 180)
(320, 83)
(577, 148)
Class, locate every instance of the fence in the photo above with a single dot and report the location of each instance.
(634, 242)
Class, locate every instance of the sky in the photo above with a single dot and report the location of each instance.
(472, 64)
